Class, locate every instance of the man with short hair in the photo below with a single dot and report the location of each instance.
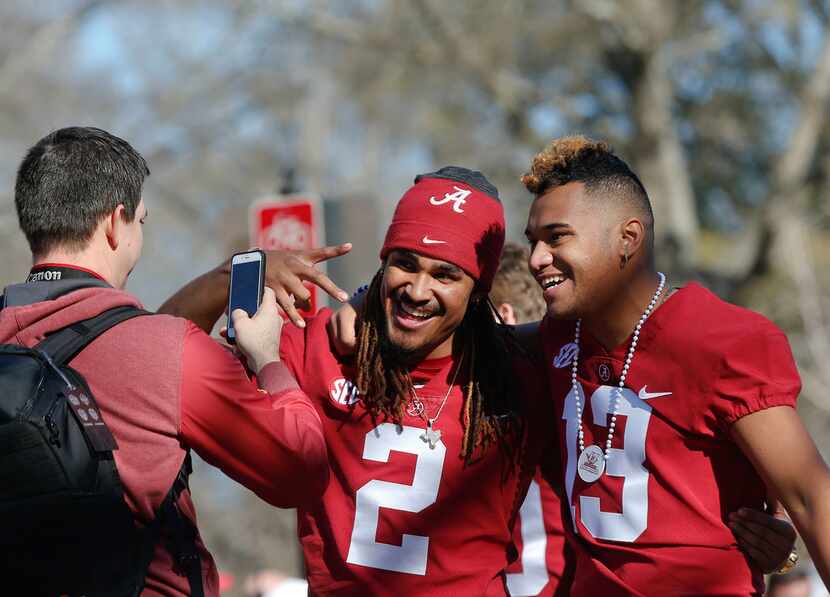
(163, 386)
(546, 561)
(515, 293)
(666, 397)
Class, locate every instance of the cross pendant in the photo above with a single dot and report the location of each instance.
(431, 436)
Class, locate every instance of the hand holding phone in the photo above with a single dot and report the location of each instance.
(258, 337)
(246, 286)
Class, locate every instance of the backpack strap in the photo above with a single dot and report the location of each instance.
(182, 532)
(64, 345)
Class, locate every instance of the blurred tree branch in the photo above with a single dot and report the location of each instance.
(784, 245)
(512, 92)
(42, 43)
(640, 59)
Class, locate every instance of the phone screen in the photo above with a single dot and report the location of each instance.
(244, 289)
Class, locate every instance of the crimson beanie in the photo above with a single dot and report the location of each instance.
(453, 214)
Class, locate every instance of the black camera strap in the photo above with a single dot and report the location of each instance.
(55, 272)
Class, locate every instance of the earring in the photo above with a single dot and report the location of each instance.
(624, 259)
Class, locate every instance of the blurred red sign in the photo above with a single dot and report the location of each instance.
(289, 222)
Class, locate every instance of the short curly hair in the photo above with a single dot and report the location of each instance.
(579, 159)
(515, 285)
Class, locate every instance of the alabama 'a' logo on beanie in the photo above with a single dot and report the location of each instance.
(453, 214)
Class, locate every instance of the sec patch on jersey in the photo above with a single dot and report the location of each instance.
(343, 391)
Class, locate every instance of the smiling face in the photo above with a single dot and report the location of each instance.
(424, 301)
(575, 251)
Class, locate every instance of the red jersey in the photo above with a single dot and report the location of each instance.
(545, 562)
(655, 523)
(399, 517)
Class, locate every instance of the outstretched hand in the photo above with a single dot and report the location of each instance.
(287, 270)
(767, 539)
(204, 299)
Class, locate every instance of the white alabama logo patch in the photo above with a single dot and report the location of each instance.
(343, 392)
(458, 199)
(566, 355)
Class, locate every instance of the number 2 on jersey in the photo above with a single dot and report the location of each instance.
(411, 555)
(627, 463)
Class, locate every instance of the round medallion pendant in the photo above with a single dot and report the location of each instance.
(591, 464)
(415, 408)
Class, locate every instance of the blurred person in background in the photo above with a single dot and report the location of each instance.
(794, 584)
(163, 386)
(515, 293)
(271, 583)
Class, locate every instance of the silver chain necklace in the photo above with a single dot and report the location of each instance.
(431, 435)
(591, 463)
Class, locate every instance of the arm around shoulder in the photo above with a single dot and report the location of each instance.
(529, 337)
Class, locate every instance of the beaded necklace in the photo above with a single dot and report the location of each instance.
(591, 463)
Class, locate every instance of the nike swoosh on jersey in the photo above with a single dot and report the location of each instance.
(645, 395)
(431, 241)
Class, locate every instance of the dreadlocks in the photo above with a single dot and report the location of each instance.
(489, 416)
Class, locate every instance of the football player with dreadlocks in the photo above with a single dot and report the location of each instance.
(427, 429)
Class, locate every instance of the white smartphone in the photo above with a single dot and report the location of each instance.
(246, 285)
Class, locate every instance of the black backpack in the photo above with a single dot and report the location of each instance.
(65, 528)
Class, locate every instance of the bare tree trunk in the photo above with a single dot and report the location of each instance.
(641, 62)
(786, 198)
(785, 246)
(662, 164)
(315, 116)
(43, 43)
